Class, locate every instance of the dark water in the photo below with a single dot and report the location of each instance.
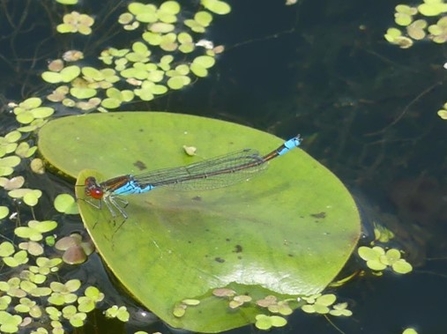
(321, 68)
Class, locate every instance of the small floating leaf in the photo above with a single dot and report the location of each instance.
(432, 8)
(51, 77)
(53, 312)
(199, 70)
(203, 18)
(190, 150)
(191, 302)
(278, 321)
(78, 319)
(10, 161)
(143, 13)
(178, 82)
(42, 112)
(43, 226)
(70, 73)
(37, 166)
(94, 293)
(9, 323)
(4, 211)
(216, 6)
(74, 255)
(17, 259)
(4, 302)
(65, 203)
(402, 267)
(205, 61)
(6, 249)
(171, 7)
(35, 229)
(82, 92)
(239, 301)
(13, 136)
(179, 310)
(326, 300)
(72, 55)
(31, 103)
(265, 322)
(68, 2)
(48, 265)
(24, 150)
(340, 310)
(161, 28)
(56, 65)
(125, 18)
(114, 312)
(32, 198)
(32, 247)
(168, 42)
(224, 292)
(42, 291)
(88, 302)
(195, 26)
(76, 22)
(403, 19)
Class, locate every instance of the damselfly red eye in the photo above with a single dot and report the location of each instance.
(93, 189)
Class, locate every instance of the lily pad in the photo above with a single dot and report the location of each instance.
(287, 232)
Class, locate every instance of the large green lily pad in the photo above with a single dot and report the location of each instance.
(286, 232)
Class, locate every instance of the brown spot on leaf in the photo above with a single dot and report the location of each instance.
(319, 215)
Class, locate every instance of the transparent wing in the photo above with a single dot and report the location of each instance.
(213, 173)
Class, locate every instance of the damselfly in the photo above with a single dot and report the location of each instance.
(213, 173)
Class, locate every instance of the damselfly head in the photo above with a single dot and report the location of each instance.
(93, 189)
